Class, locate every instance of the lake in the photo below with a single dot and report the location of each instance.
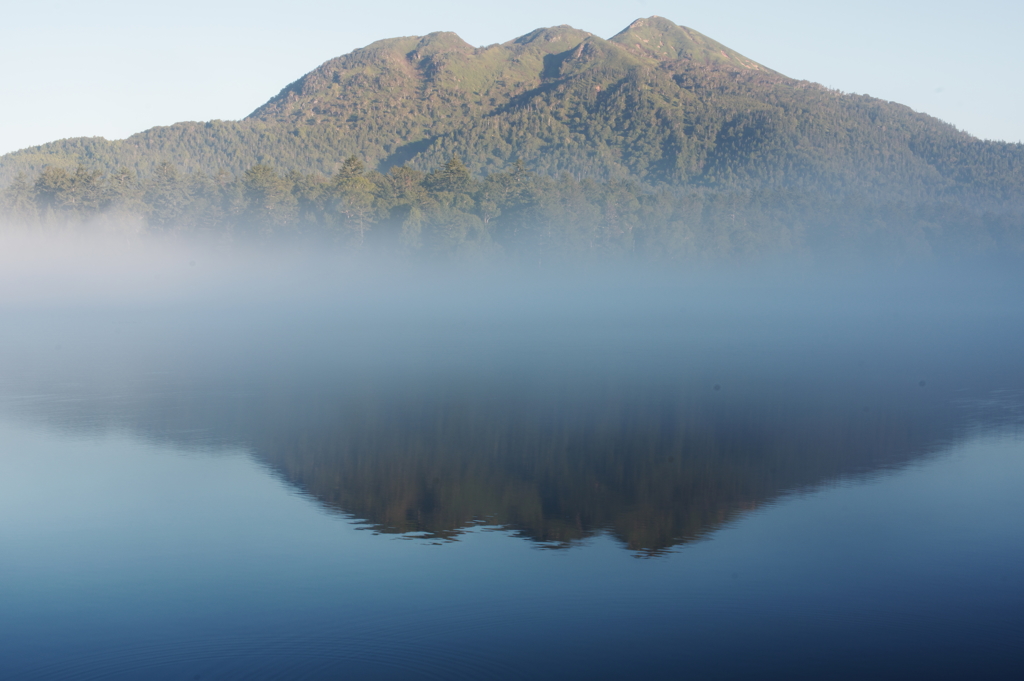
(311, 472)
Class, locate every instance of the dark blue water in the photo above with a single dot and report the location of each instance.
(627, 479)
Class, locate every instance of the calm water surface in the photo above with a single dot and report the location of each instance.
(603, 481)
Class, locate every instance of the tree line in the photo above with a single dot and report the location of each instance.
(450, 211)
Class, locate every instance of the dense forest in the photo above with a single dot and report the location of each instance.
(448, 211)
(657, 141)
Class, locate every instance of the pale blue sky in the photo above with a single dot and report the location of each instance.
(112, 67)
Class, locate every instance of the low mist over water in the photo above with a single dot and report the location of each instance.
(772, 436)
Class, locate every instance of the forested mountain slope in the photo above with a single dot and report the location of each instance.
(658, 104)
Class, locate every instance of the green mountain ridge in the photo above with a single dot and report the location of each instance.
(657, 103)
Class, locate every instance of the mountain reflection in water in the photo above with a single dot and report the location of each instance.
(653, 470)
(643, 409)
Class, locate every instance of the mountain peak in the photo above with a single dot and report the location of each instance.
(440, 42)
(550, 40)
(661, 39)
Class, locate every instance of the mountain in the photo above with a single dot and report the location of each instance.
(657, 103)
(658, 142)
